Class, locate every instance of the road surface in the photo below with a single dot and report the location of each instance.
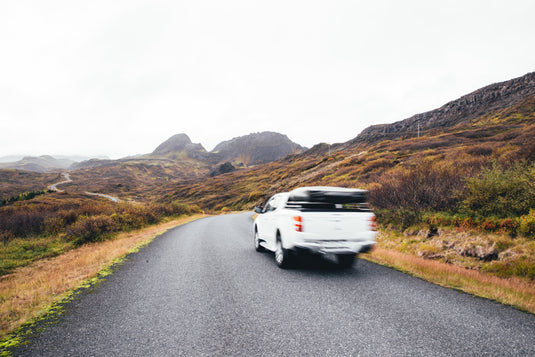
(54, 187)
(111, 198)
(202, 290)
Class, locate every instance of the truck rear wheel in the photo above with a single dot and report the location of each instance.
(283, 256)
(346, 261)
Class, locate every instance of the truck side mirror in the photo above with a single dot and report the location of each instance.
(258, 210)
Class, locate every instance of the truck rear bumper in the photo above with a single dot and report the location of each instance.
(335, 247)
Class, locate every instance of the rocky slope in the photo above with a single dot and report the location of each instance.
(460, 111)
(182, 144)
(257, 148)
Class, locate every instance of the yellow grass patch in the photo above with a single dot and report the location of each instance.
(30, 291)
(511, 291)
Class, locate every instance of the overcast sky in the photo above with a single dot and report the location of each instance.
(117, 78)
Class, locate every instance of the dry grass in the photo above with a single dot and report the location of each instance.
(511, 291)
(30, 291)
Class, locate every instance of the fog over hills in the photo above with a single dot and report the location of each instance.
(251, 149)
(44, 163)
(263, 147)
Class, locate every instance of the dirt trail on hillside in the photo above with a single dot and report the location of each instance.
(68, 180)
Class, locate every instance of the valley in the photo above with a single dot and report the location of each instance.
(453, 186)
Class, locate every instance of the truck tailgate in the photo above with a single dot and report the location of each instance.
(336, 225)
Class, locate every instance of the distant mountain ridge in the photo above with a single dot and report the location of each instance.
(462, 110)
(257, 148)
(44, 163)
(251, 149)
(263, 147)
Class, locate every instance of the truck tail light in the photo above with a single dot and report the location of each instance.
(298, 223)
(373, 223)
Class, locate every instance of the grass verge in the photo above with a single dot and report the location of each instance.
(33, 290)
(512, 291)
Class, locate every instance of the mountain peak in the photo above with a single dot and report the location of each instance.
(175, 143)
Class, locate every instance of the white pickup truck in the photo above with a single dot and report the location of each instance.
(323, 220)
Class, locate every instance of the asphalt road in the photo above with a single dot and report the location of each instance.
(201, 289)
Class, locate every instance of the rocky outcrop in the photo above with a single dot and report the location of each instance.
(175, 143)
(222, 169)
(257, 148)
(244, 150)
(463, 110)
(181, 143)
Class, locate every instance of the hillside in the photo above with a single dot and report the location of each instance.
(480, 103)
(136, 179)
(16, 182)
(461, 192)
(174, 162)
(484, 127)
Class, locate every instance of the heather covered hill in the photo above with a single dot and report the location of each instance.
(175, 162)
(137, 179)
(462, 174)
(16, 182)
(488, 101)
(461, 193)
(492, 126)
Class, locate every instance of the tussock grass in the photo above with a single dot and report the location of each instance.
(511, 291)
(31, 291)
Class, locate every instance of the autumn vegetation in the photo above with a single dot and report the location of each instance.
(470, 183)
(461, 197)
(50, 224)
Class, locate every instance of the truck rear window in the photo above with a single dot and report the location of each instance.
(329, 201)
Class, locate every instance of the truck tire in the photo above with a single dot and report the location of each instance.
(257, 245)
(283, 257)
(346, 261)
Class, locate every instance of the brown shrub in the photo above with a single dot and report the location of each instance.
(5, 237)
(91, 229)
(426, 186)
(381, 163)
(481, 150)
(53, 225)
